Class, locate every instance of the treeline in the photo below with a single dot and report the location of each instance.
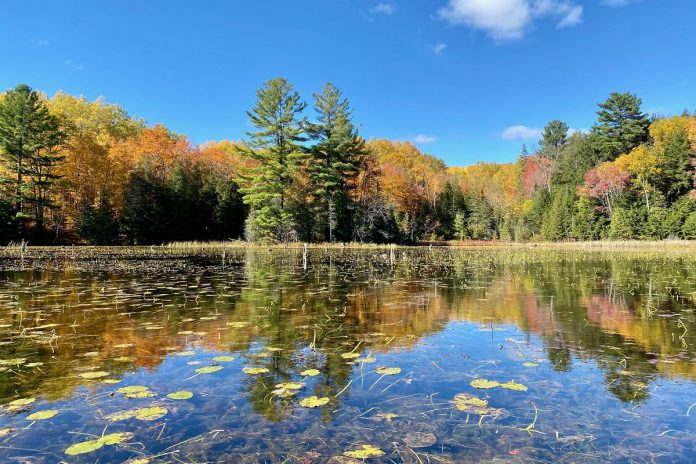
(79, 171)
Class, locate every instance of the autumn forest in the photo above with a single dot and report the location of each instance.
(79, 171)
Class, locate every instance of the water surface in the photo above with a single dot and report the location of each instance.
(590, 357)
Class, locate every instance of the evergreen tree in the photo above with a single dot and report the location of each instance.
(586, 221)
(333, 164)
(553, 139)
(98, 225)
(559, 218)
(275, 145)
(621, 126)
(623, 225)
(480, 223)
(675, 166)
(29, 136)
(689, 227)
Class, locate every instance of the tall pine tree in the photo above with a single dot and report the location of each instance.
(621, 125)
(333, 164)
(29, 136)
(275, 145)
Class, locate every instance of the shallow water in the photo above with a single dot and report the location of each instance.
(601, 349)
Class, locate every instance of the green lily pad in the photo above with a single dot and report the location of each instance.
(180, 395)
(255, 370)
(150, 414)
(185, 353)
(223, 358)
(512, 385)
(310, 373)
(93, 445)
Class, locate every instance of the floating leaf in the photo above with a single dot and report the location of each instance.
(132, 389)
(185, 353)
(484, 384)
(420, 440)
(180, 395)
(310, 373)
(43, 415)
(291, 385)
(512, 385)
(150, 414)
(254, 370)
(530, 364)
(94, 375)
(6, 431)
(384, 416)
(208, 369)
(366, 360)
(366, 452)
(142, 394)
(388, 370)
(238, 325)
(350, 355)
(223, 358)
(93, 445)
(313, 402)
(21, 402)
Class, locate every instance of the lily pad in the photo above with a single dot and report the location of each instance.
(132, 389)
(94, 375)
(21, 402)
(185, 353)
(208, 369)
(310, 373)
(255, 370)
(350, 355)
(93, 445)
(420, 440)
(365, 452)
(223, 358)
(530, 364)
(483, 384)
(313, 402)
(180, 395)
(43, 415)
(150, 414)
(388, 370)
(512, 385)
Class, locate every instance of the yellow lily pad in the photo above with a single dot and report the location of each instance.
(388, 370)
(483, 384)
(94, 375)
(350, 355)
(223, 358)
(255, 370)
(185, 353)
(93, 445)
(208, 369)
(43, 415)
(21, 402)
(313, 402)
(366, 452)
(132, 389)
(310, 373)
(512, 385)
(530, 364)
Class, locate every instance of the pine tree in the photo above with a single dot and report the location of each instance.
(622, 125)
(275, 146)
(29, 136)
(553, 139)
(333, 164)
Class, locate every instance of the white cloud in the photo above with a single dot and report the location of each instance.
(422, 139)
(384, 8)
(439, 48)
(509, 19)
(72, 64)
(521, 133)
(574, 130)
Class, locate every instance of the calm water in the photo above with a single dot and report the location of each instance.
(601, 349)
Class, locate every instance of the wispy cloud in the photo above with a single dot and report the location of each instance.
(439, 48)
(74, 65)
(509, 19)
(521, 133)
(422, 139)
(384, 8)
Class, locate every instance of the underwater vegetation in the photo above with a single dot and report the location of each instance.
(406, 355)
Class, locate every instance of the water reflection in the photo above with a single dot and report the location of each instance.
(604, 344)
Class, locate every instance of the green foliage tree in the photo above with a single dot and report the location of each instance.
(29, 136)
(623, 224)
(689, 227)
(98, 225)
(275, 145)
(621, 125)
(553, 139)
(333, 164)
(586, 223)
(481, 223)
(675, 166)
(558, 220)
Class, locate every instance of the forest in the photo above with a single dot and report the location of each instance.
(86, 172)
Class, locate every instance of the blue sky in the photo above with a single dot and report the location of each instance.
(467, 80)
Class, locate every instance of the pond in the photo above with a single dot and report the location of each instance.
(413, 356)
